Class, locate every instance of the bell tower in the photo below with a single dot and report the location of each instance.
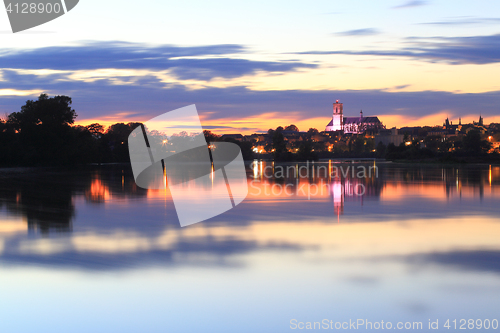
(337, 122)
(338, 116)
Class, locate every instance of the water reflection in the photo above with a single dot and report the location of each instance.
(409, 243)
(46, 205)
(118, 219)
(46, 197)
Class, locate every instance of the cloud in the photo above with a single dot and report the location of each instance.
(464, 21)
(452, 50)
(410, 4)
(476, 260)
(184, 62)
(143, 95)
(235, 106)
(359, 32)
(206, 69)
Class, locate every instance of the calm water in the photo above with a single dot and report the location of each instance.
(87, 251)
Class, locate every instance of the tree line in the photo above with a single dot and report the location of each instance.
(43, 133)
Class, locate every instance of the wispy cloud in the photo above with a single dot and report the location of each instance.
(238, 106)
(128, 95)
(358, 32)
(409, 4)
(477, 260)
(453, 50)
(200, 62)
(465, 21)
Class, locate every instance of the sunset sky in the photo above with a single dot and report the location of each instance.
(251, 66)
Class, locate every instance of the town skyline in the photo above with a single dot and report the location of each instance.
(251, 68)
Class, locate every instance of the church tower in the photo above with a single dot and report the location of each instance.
(337, 123)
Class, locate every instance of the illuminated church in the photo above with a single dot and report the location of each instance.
(351, 125)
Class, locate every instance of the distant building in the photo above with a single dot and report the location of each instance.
(480, 122)
(292, 136)
(495, 142)
(256, 137)
(237, 137)
(449, 128)
(351, 125)
(337, 122)
(476, 125)
(389, 136)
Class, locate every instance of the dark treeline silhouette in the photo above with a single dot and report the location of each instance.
(42, 133)
(245, 146)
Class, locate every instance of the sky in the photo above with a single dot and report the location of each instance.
(253, 66)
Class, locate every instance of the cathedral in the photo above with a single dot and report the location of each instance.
(351, 125)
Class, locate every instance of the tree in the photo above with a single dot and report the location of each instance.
(472, 142)
(381, 149)
(312, 131)
(406, 137)
(95, 129)
(116, 139)
(359, 144)
(306, 152)
(53, 113)
(292, 128)
(433, 141)
(43, 134)
(369, 145)
(279, 146)
(210, 137)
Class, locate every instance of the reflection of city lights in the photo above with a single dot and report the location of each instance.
(490, 176)
(212, 175)
(255, 170)
(165, 178)
(98, 191)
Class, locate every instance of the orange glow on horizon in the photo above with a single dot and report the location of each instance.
(265, 121)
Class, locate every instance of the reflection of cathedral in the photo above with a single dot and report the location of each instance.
(353, 189)
(351, 125)
(338, 198)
